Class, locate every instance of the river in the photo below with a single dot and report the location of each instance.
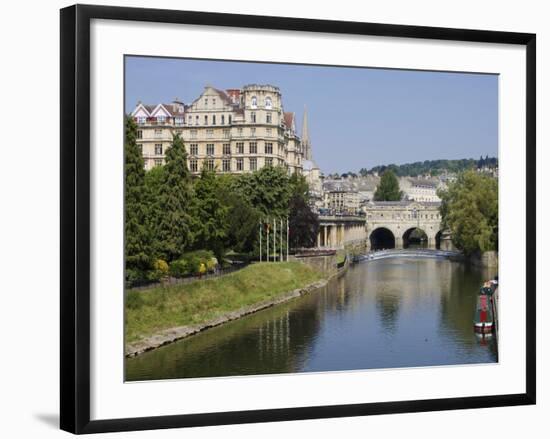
(402, 312)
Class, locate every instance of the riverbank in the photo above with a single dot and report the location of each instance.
(165, 314)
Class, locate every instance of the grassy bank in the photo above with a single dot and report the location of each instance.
(150, 311)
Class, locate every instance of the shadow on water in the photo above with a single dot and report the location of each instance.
(380, 314)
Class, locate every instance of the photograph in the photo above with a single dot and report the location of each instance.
(294, 218)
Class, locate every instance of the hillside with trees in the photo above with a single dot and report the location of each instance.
(433, 167)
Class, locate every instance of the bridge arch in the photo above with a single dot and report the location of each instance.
(415, 236)
(381, 238)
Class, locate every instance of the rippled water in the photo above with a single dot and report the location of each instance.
(380, 314)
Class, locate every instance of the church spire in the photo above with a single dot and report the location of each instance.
(306, 142)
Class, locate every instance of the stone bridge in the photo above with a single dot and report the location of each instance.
(395, 224)
(386, 225)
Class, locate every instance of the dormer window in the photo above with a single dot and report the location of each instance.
(141, 120)
(254, 102)
(161, 119)
(268, 103)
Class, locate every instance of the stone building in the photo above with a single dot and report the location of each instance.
(230, 131)
(340, 196)
(420, 189)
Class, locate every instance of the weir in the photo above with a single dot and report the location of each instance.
(408, 253)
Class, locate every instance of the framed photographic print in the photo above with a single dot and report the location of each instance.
(274, 218)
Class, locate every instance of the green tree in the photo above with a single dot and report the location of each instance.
(388, 188)
(303, 223)
(469, 209)
(211, 214)
(171, 216)
(299, 186)
(243, 220)
(136, 244)
(268, 190)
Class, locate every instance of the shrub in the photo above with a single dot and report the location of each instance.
(134, 276)
(211, 264)
(160, 270)
(179, 268)
(195, 258)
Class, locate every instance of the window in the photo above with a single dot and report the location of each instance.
(252, 132)
(206, 119)
(226, 165)
(239, 164)
(223, 119)
(210, 133)
(194, 149)
(197, 119)
(268, 103)
(269, 148)
(253, 117)
(179, 133)
(140, 134)
(254, 102)
(253, 164)
(158, 133)
(206, 102)
(209, 149)
(253, 147)
(190, 119)
(240, 147)
(141, 120)
(158, 149)
(213, 102)
(158, 162)
(226, 134)
(209, 164)
(179, 120)
(140, 147)
(226, 149)
(161, 119)
(240, 132)
(268, 118)
(193, 165)
(214, 119)
(269, 161)
(193, 134)
(229, 119)
(268, 132)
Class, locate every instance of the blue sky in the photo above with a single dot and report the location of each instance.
(358, 117)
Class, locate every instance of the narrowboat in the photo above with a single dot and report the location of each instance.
(484, 320)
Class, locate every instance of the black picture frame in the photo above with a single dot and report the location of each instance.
(75, 217)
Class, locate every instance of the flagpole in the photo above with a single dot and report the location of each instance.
(287, 238)
(281, 241)
(274, 240)
(260, 241)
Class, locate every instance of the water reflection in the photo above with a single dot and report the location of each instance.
(387, 313)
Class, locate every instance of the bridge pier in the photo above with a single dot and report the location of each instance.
(398, 242)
